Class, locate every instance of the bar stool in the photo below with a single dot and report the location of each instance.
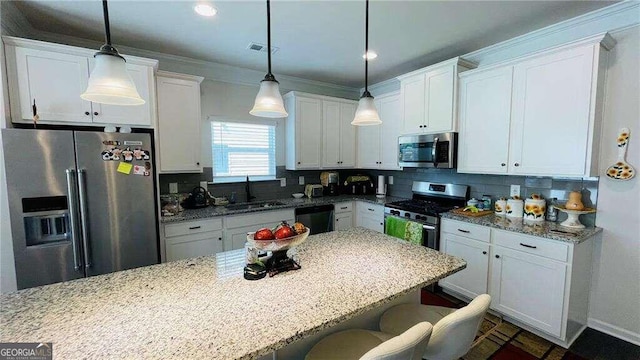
(454, 329)
(358, 344)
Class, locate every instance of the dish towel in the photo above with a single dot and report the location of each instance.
(413, 233)
(395, 227)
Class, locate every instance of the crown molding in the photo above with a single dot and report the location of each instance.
(607, 19)
(174, 75)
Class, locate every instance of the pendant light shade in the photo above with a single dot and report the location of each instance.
(109, 82)
(269, 102)
(366, 113)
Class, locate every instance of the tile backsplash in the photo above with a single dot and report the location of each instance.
(494, 185)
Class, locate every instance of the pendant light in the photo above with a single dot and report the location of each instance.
(109, 82)
(366, 113)
(269, 102)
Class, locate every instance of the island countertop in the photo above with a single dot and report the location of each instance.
(203, 308)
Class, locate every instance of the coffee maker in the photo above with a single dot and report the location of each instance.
(330, 181)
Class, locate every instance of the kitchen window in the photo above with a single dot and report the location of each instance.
(243, 149)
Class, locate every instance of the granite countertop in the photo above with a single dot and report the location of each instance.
(203, 308)
(545, 229)
(288, 203)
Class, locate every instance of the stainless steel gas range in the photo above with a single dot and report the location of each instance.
(428, 201)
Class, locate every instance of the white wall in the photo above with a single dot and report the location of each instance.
(615, 288)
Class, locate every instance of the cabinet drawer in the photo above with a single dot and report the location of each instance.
(532, 245)
(472, 231)
(343, 207)
(189, 246)
(368, 208)
(192, 227)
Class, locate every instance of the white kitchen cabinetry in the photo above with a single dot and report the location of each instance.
(378, 145)
(319, 132)
(339, 136)
(179, 123)
(429, 97)
(343, 216)
(537, 116)
(370, 216)
(193, 238)
(55, 75)
(236, 227)
(472, 243)
(485, 113)
(538, 283)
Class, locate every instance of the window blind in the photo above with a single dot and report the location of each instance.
(241, 150)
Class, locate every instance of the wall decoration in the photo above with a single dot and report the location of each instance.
(621, 170)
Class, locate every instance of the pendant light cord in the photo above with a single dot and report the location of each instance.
(366, 48)
(269, 74)
(107, 30)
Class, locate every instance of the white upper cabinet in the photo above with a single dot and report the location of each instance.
(378, 144)
(179, 123)
(429, 97)
(550, 124)
(54, 81)
(485, 113)
(339, 136)
(538, 116)
(55, 75)
(319, 132)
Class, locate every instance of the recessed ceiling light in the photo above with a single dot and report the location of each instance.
(370, 55)
(205, 10)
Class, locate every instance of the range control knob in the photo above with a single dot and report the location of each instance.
(407, 215)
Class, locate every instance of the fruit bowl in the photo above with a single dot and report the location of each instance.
(278, 244)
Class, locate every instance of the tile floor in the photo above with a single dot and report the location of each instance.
(500, 340)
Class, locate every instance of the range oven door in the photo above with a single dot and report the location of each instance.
(430, 233)
(431, 150)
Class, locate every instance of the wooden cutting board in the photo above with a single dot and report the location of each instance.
(471, 214)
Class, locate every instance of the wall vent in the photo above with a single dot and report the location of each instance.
(261, 47)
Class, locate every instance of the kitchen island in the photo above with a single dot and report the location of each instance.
(203, 308)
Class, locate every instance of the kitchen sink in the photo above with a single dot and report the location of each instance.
(254, 205)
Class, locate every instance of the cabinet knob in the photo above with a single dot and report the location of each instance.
(198, 163)
(516, 164)
(298, 162)
(503, 164)
(381, 224)
(220, 239)
(87, 113)
(497, 256)
(95, 113)
(420, 126)
(337, 220)
(484, 252)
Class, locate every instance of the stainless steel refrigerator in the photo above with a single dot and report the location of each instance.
(81, 203)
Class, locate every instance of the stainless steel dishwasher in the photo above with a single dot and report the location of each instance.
(318, 218)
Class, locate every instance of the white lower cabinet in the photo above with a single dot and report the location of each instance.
(529, 288)
(370, 216)
(192, 238)
(538, 283)
(472, 281)
(343, 218)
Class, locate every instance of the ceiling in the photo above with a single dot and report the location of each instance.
(318, 40)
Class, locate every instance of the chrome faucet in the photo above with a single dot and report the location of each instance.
(247, 188)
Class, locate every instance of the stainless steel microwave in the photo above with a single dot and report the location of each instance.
(428, 150)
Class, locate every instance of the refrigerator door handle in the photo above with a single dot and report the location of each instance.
(82, 186)
(73, 211)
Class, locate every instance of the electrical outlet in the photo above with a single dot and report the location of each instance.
(283, 182)
(300, 180)
(173, 188)
(390, 179)
(515, 190)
